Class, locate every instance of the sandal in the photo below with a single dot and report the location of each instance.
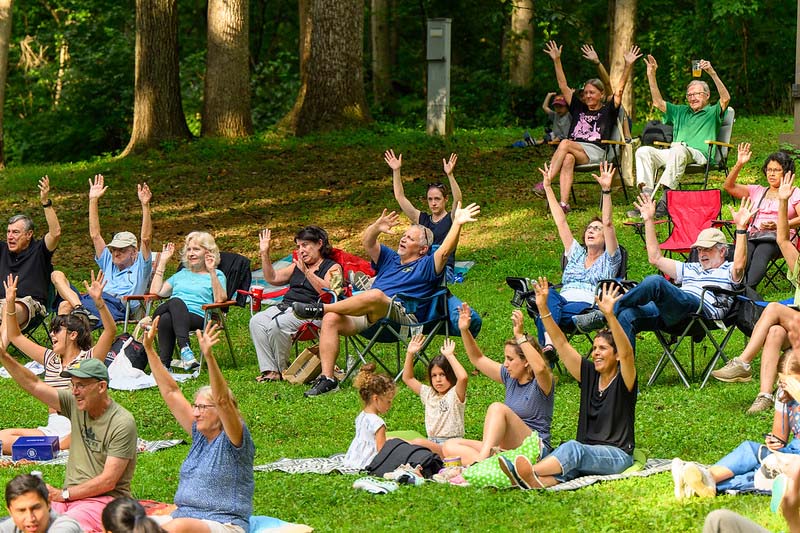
(268, 375)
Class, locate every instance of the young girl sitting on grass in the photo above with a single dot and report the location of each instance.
(444, 399)
(377, 392)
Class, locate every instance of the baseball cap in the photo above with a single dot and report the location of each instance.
(87, 368)
(559, 100)
(123, 239)
(710, 237)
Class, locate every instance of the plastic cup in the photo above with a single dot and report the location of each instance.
(452, 461)
(256, 292)
(696, 71)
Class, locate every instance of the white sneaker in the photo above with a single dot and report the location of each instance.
(375, 485)
(698, 478)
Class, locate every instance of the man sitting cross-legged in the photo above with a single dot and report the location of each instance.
(127, 269)
(410, 270)
(656, 304)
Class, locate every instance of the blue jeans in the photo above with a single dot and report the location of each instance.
(745, 460)
(652, 305)
(114, 304)
(577, 459)
(453, 305)
(562, 311)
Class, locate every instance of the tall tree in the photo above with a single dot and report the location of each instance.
(5, 36)
(226, 105)
(331, 94)
(157, 106)
(623, 33)
(381, 51)
(521, 43)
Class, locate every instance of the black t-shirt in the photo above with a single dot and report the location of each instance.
(606, 417)
(591, 126)
(300, 289)
(33, 265)
(440, 230)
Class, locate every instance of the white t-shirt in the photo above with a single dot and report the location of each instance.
(444, 414)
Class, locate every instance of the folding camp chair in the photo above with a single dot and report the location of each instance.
(690, 212)
(697, 327)
(435, 321)
(613, 154)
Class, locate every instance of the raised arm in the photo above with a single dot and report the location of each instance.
(177, 403)
(541, 370)
(223, 397)
(554, 51)
(448, 350)
(217, 288)
(11, 326)
(450, 242)
(449, 165)
(590, 54)
(567, 354)
(486, 366)
(95, 289)
(384, 224)
(158, 285)
(788, 249)
(647, 208)
(397, 185)
(53, 235)
(28, 380)
(97, 189)
(559, 218)
(275, 277)
(742, 220)
(546, 103)
(737, 190)
(609, 232)
(414, 346)
(146, 237)
(605, 302)
(655, 93)
(724, 95)
(630, 58)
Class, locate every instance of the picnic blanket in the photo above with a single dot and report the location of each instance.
(652, 466)
(313, 465)
(142, 446)
(33, 366)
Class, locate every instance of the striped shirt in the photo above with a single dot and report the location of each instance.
(692, 278)
(53, 368)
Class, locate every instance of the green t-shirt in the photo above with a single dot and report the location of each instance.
(93, 439)
(694, 129)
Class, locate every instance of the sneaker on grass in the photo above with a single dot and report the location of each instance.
(322, 385)
(375, 485)
(763, 402)
(698, 479)
(733, 372)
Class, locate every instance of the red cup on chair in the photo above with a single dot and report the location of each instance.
(256, 292)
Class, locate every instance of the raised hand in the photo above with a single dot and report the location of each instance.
(606, 175)
(550, 95)
(208, 338)
(609, 294)
(744, 214)
(517, 323)
(144, 194)
(451, 164)
(150, 333)
(542, 290)
(590, 53)
(553, 50)
(210, 262)
(10, 285)
(387, 221)
(547, 178)
(166, 252)
(97, 187)
(44, 188)
(786, 188)
(264, 238)
(448, 348)
(95, 286)
(646, 206)
(744, 153)
(652, 66)
(467, 214)
(632, 55)
(464, 317)
(394, 162)
(415, 344)
(706, 66)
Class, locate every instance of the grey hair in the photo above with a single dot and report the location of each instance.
(597, 83)
(26, 219)
(206, 391)
(701, 83)
(721, 247)
(427, 232)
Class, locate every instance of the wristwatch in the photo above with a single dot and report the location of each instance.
(47, 204)
(65, 494)
(521, 340)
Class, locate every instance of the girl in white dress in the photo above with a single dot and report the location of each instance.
(377, 392)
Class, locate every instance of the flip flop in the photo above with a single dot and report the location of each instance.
(264, 377)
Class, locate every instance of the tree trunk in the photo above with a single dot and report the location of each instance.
(157, 106)
(381, 55)
(331, 94)
(5, 36)
(226, 103)
(623, 33)
(520, 44)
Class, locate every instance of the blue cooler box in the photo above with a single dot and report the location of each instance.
(35, 448)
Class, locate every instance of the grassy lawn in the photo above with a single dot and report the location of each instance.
(340, 182)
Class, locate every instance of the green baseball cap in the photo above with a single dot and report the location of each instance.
(88, 368)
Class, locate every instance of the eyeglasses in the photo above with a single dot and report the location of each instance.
(202, 407)
(83, 386)
(774, 171)
(594, 227)
(695, 95)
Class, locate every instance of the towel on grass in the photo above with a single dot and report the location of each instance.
(313, 465)
(652, 466)
(61, 459)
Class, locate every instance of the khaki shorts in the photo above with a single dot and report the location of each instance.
(34, 309)
(397, 313)
(214, 527)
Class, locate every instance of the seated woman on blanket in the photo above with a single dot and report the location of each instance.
(769, 334)
(310, 274)
(215, 487)
(71, 336)
(189, 289)
(736, 470)
(605, 440)
(595, 257)
(528, 404)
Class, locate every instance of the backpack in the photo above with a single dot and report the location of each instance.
(655, 130)
(134, 351)
(397, 452)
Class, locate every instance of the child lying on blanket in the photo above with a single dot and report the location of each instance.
(444, 399)
(377, 392)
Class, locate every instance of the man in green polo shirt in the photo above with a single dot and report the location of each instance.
(693, 125)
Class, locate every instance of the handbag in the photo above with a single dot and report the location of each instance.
(397, 452)
(131, 346)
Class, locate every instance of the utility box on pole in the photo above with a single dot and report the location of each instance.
(438, 57)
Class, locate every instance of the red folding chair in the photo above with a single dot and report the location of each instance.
(690, 212)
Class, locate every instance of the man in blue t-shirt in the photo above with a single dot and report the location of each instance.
(410, 270)
(127, 268)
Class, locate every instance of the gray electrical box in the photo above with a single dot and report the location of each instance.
(438, 56)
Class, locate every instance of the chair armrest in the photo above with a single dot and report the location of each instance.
(608, 141)
(720, 143)
(553, 143)
(661, 144)
(220, 305)
(722, 291)
(141, 297)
